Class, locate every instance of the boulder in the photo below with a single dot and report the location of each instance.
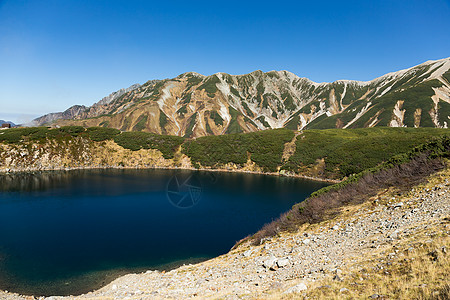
(297, 288)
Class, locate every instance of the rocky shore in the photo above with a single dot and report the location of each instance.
(334, 257)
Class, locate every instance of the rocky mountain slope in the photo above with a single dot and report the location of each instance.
(194, 105)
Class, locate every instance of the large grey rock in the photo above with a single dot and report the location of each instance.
(283, 262)
(270, 262)
(297, 288)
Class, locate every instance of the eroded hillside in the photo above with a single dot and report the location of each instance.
(193, 105)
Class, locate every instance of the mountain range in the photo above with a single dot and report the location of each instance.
(194, 105)
(7, 122)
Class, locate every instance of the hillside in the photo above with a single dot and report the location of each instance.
(193, 105)
(331, 154)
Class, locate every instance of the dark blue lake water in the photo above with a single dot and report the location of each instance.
(71, 232)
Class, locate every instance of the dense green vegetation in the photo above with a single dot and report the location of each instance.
(288, 101)
(447, 76)
(167, 144)
(265, 148)
(162, 120)
(210, 85)
(191, 124)
(293, 123)
(234, 92)
(234, 126)
(141, 123)
(182, 111)
(350, 151)
(444, 113)
(416, 97)
(247, 109)
(330, 153)
(101, 134)
(437, 147)
(15, 135)
(216, 118)
(263, 121)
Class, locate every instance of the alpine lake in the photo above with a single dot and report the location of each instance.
(70, 232)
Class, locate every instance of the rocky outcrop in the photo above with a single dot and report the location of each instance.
(81, 111)
(70, 113)
(80, 153)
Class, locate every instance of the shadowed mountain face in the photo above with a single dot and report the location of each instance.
(194, 105)
(6, 122)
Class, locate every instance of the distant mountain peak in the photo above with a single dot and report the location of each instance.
(196, 105)
(7, 122)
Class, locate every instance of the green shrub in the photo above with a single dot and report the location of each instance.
(162, 120)
(438, 147)
(191, 124)
(141, 123)
(101, 133)
(216, 118)
(350, 151)
(210, 85)
(265, 148)
(234, 126)
(133, 140)
(15, 135)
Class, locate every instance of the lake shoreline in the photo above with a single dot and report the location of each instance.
(34, 170)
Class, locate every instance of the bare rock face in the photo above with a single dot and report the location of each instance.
(113, 96)
(194, 105)
(70, 113)
(81, 111)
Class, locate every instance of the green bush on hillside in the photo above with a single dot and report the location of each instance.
(265, 148)
(133, 140)
(15, 135)
(102, 133)
(351, 151)
(438, 147)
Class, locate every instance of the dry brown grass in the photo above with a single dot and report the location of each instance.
(420, 269)
(410, 275)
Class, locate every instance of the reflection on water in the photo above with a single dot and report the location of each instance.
(68, 232)
(35, 181)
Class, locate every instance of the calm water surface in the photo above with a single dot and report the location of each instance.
(71, 232)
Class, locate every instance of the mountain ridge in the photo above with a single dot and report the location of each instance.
(193, 104)
(7, 122)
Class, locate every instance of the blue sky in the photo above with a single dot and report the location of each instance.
(57, 53)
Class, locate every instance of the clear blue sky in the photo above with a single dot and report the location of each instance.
(57, 53)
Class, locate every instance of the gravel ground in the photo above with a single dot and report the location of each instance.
(293, 261)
